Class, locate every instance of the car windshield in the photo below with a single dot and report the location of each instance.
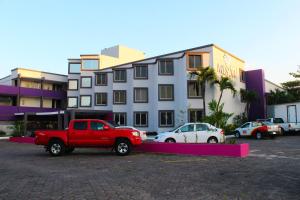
(255, 124)
(267, 123)
(174, 129)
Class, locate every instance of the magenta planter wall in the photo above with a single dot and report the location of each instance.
(231, 150)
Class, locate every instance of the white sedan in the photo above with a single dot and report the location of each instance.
(142, 133)
(193, 133)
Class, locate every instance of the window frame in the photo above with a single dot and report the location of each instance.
(115, 99)
(140, 65)
(119, 81)
(193, 110)
(173, 95)
(82, 69)
(159, 65)
(95, 102)
(82, 77)
(159, 119)
(134, 93)
(96, 78)
(188, 61)
(134, 118)
(75, 97)
(77, 87)
(90, 101)
(188, 91)
(119, 113)
(242, 76)
(69, 71)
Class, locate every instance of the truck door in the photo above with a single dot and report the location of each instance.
(291, 114)
(79, 134)
(100, 136)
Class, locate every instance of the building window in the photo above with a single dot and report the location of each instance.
(195, 115)
(101, 79)
(120, 75)
(141, 72)
(100, 99)
(120, 119)
(141, 119)
(166, 92)
(195, 61)
(119, 97)
(86, 82)
(74, 68)
(85, 100)
(166, 118)
(242, 76)
(90, 64)
(72, 102)
(140, 95)
(194, 90)
(72, 84)
(166, 67)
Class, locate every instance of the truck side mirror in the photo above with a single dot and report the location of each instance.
(105, 127)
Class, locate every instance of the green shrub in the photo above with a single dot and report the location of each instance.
(17, 129)
(2, 133)
(229, 129)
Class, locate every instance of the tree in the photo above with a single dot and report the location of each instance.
(203, 76)
(248, 96)
(217, 117)
(224, 83)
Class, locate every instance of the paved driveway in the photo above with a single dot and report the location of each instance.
(272, 171)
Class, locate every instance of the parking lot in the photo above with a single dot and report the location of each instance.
(272, 171)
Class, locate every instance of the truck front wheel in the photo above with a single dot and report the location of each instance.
(122, 147)
(56, 147)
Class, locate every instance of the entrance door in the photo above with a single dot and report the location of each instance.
(291, 114)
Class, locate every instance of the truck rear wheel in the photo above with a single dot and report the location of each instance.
(56, 147)
(122, 147)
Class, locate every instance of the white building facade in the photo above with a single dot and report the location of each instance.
(154, 94)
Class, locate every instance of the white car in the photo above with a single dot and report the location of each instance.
(193, 133)
(142, 133)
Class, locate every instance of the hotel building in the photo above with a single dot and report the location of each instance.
(157, 93)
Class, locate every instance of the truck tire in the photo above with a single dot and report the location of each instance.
(56, 147)
(258, 135)
(170, 140)
(123, 147)
(237, 134)
(69, 149)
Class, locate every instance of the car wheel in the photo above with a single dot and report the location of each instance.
(170, 140)
(69, 150)
(258, 135)
(237, 134)
(56, 147)
(122, 147)
(212, 140)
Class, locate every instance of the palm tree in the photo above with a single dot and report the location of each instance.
(248, 96)
(203, 76)
(224, 84)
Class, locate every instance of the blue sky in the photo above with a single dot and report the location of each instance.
(43, 34)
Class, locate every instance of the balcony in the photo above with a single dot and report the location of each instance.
(30, 92)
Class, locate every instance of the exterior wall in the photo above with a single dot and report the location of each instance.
(30, 84)
(226, 64)
(6, 81)
(271, 86)
(255, 80)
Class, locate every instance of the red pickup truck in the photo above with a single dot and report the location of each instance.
(88, 133)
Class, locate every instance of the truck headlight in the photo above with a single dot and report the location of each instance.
(135, 133)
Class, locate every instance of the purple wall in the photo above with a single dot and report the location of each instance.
(30, 92)
(255, 81)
